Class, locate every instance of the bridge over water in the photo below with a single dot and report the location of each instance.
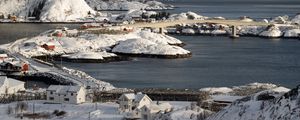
(164, 24)
(232, 23)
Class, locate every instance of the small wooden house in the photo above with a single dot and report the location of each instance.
(149, 112)
(14, 66)
(130, 101)
(3, 56)
(49, 46)
(11, 66)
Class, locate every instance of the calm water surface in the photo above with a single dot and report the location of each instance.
(216, 61)
(235, 8)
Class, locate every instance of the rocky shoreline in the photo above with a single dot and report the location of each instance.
(104, 60)
(157, 56)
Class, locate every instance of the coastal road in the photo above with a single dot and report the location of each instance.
(43, 67)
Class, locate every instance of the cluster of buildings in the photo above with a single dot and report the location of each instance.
(131, 105)
(140, 106)
(9, 64)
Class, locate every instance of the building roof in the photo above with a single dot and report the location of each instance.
(11, 82)
(136, 97)
(63, 89)
(49, 44)
(3, 55)
(2, 80)
(13, 62)
(154, 108)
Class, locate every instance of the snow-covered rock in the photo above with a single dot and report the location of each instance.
(159, 38)
(156, 5)
(147, 47)
(127, 5)
(215, 90)
(274, 104)
(196, 114)
(47, 10)
(242, 90)
(292, 33)
(246, 19)
(296, 19)
(188, 31)
(65, 10)
(250, 30)
(186, 16)
(218, 32)
(131, 14)
(280, 19)
(272, 32)
(90, 55)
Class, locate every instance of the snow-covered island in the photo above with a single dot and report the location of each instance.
(281, 26)
(85, 45)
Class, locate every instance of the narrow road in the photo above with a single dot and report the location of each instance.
(173, 23)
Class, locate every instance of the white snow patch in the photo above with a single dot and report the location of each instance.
(144, 46)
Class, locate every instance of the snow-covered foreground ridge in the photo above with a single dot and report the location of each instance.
(265, 105)
(47, 10)
(98, 46)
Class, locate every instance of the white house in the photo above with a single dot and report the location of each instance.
(10, 86)
(130, 101)
(140, 106)
(66, 94)
(149, 112)
(3, 56)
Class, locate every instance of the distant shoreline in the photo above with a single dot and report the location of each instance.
(47, 22)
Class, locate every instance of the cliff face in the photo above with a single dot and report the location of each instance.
(47, 10)
(266, 105)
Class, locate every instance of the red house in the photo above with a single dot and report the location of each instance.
(58, 34)
(25, 67)
(48, 46)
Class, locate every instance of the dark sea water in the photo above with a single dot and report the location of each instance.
(216, 61)
(235, 8)
(11, 32)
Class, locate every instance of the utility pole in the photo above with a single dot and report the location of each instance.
(33, 110)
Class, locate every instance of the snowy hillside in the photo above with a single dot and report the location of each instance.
(272, 104)
(127, 5)
(47, 10)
